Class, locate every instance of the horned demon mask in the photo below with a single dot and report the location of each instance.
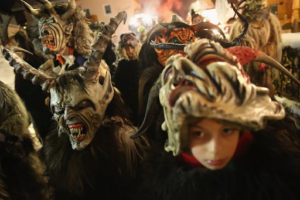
(78, 98)
(172, 40)
(177, 36)
(210, 83)
(54, 30)
(254, 10)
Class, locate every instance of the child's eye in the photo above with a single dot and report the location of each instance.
(198, 134)
(227, 131)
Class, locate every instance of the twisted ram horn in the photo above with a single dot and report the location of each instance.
(247, 54)
(98, 49)
(28, 72)
(70, 11)
(208, 25)
(4, 32)
(238, 6)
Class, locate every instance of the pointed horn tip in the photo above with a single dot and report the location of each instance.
(125, 17)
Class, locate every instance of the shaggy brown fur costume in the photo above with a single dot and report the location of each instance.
(264, 35)
(21, 172)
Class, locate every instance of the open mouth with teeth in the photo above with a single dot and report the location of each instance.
(77, 132)
(48, 39)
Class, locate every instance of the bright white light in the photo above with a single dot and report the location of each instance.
(211, 15)
(216, 32)
(147, 19)
(133, 21)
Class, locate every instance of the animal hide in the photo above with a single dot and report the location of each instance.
(126, 79)
(268, 170)
(103, 170)
(266, 38)
(21, 172)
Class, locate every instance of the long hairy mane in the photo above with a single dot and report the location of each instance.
(82, 36)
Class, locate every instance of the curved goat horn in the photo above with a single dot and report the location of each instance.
(49, 6)
(4, 32)
(31, 10)
(158, 28)
(70, 11)
(98, 49)
(28, 72)
(237, 41)
(247, 54)
(208, 25)
(151, 110)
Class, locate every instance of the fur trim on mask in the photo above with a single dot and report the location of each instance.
(269, 172)
(123, 55)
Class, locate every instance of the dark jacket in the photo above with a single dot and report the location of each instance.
(126, 79)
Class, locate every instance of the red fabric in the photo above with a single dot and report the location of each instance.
(60, 58)
(243, 145)
(262, 67)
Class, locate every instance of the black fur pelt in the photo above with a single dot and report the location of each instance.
(269, 170)
(97, 172)
(103, 170)
(147, 79)
(21, 173)
(126, 79)
(110, 57)
(32, 95)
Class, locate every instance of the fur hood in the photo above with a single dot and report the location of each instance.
(269, 171)
(122, 52)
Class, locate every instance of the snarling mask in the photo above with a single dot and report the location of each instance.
(170, 39)
(79, 107)
(209, 83)
(78, 98)
(55, 33)
(55, 30)
(128, 39)
(176, 36)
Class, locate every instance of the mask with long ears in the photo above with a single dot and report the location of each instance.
(78, 98)
(209, 82)
(55, 30)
